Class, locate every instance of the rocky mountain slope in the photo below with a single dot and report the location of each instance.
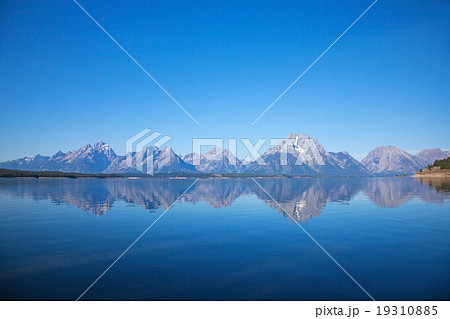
(163, 160)
(300, 154)
(429, 155)
(390, 160)
(87, 159)
(217, 160)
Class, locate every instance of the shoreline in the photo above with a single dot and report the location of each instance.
(432, 175)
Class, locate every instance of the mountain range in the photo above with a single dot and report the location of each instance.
(297, 154)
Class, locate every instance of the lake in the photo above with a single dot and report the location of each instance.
(225, 239)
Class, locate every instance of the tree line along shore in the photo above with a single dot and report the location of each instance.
(439, 168)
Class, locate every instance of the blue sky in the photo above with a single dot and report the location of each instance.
(64, 83)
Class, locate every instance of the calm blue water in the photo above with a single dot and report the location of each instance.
(225, 239)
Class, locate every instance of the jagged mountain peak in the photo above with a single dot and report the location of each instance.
(167, 149)
(300, 143)
(301, 154)
(298, 135)
(59, 154)
(92, 150)
(163, 160)
(100, 145)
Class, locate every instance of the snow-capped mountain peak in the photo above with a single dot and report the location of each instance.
(299, 154)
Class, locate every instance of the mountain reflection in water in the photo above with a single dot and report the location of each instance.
(303, 198)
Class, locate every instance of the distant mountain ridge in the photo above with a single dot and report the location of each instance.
(87, 159)
(298, 154)
(390, 160)
(429, 155)
(217, 160)
(164, 161)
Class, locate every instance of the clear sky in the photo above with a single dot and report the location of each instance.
(64, 83)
